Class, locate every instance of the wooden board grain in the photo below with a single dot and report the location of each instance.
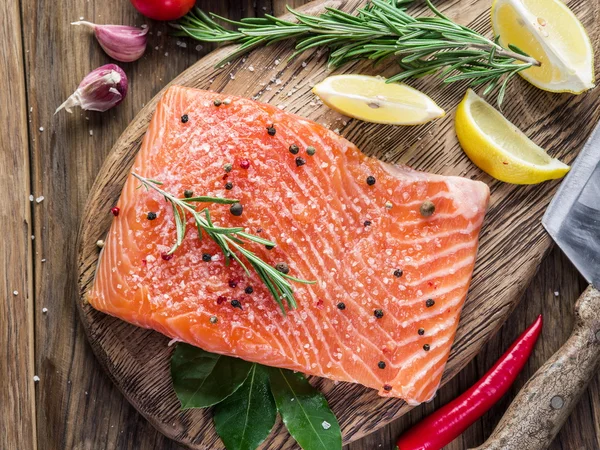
(137, 360)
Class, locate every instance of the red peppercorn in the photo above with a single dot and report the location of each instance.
(115, 211)
(221, 299)
(233, 283)
(166, 256)
(319, 304)
(244, 164)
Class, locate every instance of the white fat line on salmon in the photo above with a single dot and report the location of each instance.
(442, 273)
(473, 227)
(423, 373)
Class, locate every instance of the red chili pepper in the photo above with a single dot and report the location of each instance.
(448, 422)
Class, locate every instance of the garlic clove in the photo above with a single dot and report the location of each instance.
(120, 42)
(100, 90)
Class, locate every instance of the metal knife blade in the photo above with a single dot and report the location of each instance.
(573, 216)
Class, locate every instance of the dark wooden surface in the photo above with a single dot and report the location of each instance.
(75, 405)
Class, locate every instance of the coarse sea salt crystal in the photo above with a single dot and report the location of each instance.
(44, 310)
(326, 425)
(40, 199)
(31, 198)
(36, 378)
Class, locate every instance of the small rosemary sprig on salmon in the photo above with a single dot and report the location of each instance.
(229, 240)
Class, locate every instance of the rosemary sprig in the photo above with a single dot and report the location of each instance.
(228, 239)
(381, 29)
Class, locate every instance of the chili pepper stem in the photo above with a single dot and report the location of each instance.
(448, 422)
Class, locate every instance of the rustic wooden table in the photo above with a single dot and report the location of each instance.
(55, 158)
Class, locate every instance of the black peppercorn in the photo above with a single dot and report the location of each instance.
(188, 194)
(426, 347)
(236, 304)
(371, 180)
(184, 118)
(282, 267)
(269, 247)
(300, 161)
(367, 223)
(421, 331)
(378, 313)
(429, 303)
(229, 185)
(236, 209)
(151, 215)
(398, 273)
(387, 387)
(217, 102)
(271, 130)
(294, 149)
(381, 364)
(206, 257)
(249, 290)
(341, 306)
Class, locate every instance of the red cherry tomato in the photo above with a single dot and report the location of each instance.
(163, 9)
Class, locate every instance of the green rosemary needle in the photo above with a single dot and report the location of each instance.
(381, 29)
(228, 239)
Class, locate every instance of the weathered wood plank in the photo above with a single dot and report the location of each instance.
(17, 391)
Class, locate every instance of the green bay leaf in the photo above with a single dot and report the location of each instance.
(244, 419)
(305, 411)
(202, 379)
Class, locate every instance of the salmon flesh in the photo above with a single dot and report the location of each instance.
(391, 278)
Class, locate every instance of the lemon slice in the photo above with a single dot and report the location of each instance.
(499, 148)
(373, 100)
(548, 31)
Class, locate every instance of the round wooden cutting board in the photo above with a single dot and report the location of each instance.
(512, 241)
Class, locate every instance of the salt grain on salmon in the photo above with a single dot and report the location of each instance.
(329, 200)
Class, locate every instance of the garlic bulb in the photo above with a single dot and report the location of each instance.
(120, 42)
(100, 90)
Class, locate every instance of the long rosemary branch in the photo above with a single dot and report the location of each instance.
(381, 29)
(228, 239)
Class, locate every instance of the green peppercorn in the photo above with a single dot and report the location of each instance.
(217, 102)
(227, 167)
(213, 319)
(310, 150)
(427, 208)
(282, 267)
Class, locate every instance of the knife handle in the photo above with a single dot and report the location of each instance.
(542, 406)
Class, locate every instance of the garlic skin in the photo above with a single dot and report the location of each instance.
(100, 90)
(120, 42)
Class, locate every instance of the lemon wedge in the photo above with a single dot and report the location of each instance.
(371, 99)
(499, 148)
(549, 32)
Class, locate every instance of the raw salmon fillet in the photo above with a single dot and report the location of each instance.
(368, 246)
